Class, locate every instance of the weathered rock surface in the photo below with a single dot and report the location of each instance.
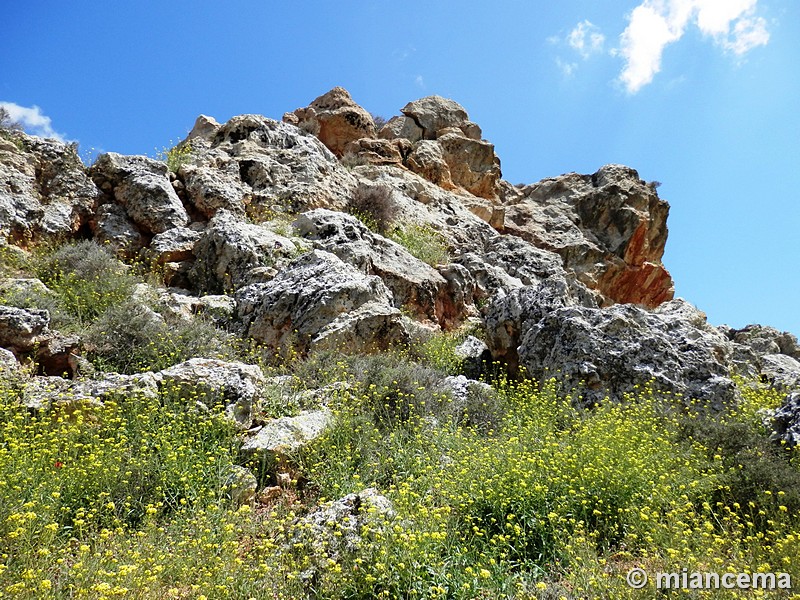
(231, 253)
(336, 529)
(43, 392)
(44, 189)
(256, 162)
(339, 119)
(781, 371)
(142, 186)
(319, 300)
(173, 245)
(414, 284)
(613, 351)
(114, 229)
(288, 434)
(211, 381)
(786, 420)
(609, 228)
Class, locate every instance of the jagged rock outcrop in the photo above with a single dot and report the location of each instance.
(320, 301)
(612, 351)
(27, 331)
(609, 228)
(415, 285)
(141, 185)
(43, 188)
(256, 162)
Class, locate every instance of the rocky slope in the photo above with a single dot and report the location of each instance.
(564, 275)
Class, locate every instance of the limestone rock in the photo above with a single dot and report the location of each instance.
(173, 245)
(427, 160)
(609, 228)
(229, 251)
(319, 300)
(210, 189)
(473, 164)
(414, 284)
(339, 118)
(22, 329)
(474, 354)
(44, 189)
(401, 128)
(113, 229)
(376, 152)
(288, 434)
(613, 351)
(781, 371)
(252, 162)
(211, 381)
(338, 528)
(434, 113)
(142, 186)
(786, 420)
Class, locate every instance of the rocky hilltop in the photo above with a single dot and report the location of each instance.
(564, 275)
(337, 306)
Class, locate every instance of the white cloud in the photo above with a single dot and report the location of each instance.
(567, 68)
(586, 39)
(32, 119)
(655, 24)
(420, 81)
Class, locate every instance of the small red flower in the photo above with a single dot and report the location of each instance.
(58, 464)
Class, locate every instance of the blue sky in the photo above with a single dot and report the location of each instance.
(701, 95)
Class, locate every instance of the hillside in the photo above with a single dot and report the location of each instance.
(337, 357)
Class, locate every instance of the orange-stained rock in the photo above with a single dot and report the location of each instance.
(335, 119)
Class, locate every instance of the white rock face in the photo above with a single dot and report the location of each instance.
(43, 188)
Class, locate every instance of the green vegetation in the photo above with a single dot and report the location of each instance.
(177, 156)
(424, 242)
(505, 493)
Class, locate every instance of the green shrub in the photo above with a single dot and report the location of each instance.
(374, 205)
(423, 242)
(86, 278)
(131, 338)
(177, 156)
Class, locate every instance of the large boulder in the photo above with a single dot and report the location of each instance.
(142, 186)
(609, 228)
(114, 229)
(434, 113)
(337, 119)
(415, 285)
(44, 189)
(231, 253)
(282, 436)
(320, 301)
(609, 352)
